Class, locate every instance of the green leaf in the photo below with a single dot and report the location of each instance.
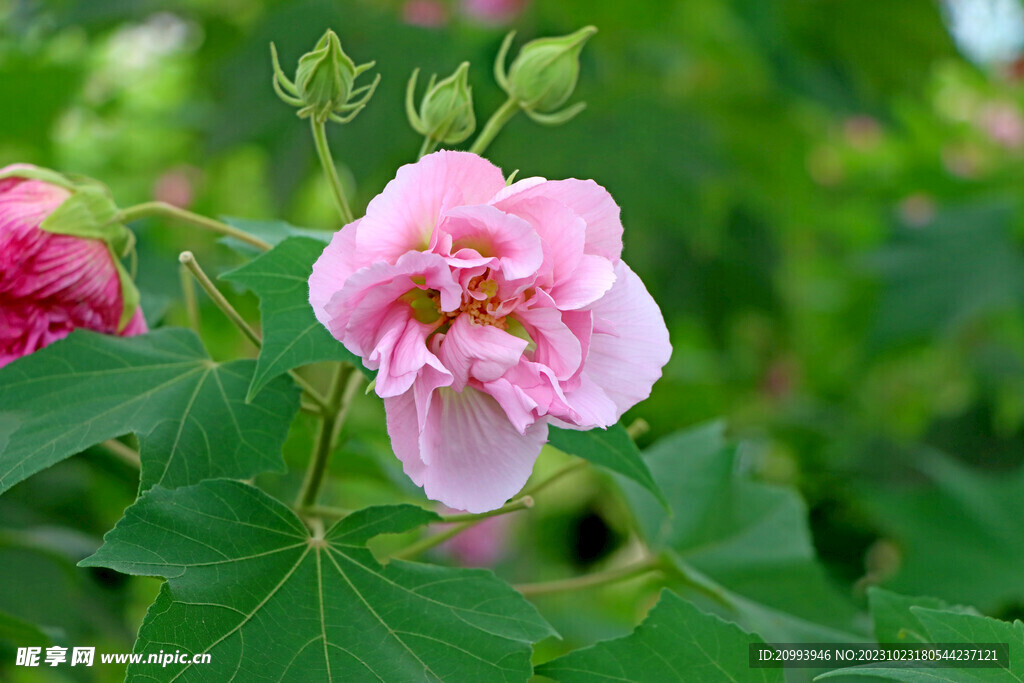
(960, 533)
(270, 601)
(676, 642)
(745, 542)
(189, 412)
(895, 622)
(611, 449)
(271, 232)
(942, 626)
(292, 336)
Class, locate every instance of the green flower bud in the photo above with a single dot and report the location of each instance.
(324, 86)
(544, 74)
(325, 76)
(446, 112)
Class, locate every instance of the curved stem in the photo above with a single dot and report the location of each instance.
(188, 260)
(327, 161)
(427, 147)
(165, 210)
(346, 383)
(465, 521)
(494, 125)
(521, 503)
(694, 580)
(629, 571)
(433, 540)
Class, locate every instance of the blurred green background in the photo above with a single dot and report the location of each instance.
(824, 196)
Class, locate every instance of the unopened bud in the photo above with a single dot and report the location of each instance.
(324, 86)
(88, 212)
(446, 112)
(543, 76)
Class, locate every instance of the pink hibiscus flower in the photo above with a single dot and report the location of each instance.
(489, 313)
(51, 284)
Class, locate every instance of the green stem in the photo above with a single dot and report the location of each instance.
(694, 580)
(427, 147)
(326, 511)
(629, 571)
(125, 454)
(188, 292)
(188, 260)
(346, 383)
(464, 521)
(494, 125)
(165, 210)
(327, 161)
(433, 540)
(518, 504)
(311, 409)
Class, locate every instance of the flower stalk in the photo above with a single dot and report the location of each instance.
(188, 260)
(498, 119)
(463, 522)
(609, 576)
(188, 293)
(171, 212)
(345, 385)
(323, 151)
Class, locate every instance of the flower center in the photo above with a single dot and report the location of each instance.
(479, 302)
(481, 311)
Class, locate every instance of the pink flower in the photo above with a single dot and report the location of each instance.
(489, 312)
(481, 545)
(51, 284)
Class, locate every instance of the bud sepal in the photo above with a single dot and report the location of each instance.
(544, 75)
(324, 86)
(446, 112)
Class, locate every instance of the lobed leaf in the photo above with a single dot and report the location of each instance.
(189, 412)
(676, 642)
(747, 542)
(292, 336)
(250, 585)
(612, 449)
(946, 626)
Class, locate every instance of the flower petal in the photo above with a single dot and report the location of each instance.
(480, 352)
(355, 313)
(404, 430)
(589, 201)
(335, 265)
(475, 460)
(629, 344)
(485, 231)
(557, 347)
(402, 217)
(594, 275)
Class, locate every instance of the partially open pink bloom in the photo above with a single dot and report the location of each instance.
(489, 313)
(51, 284)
